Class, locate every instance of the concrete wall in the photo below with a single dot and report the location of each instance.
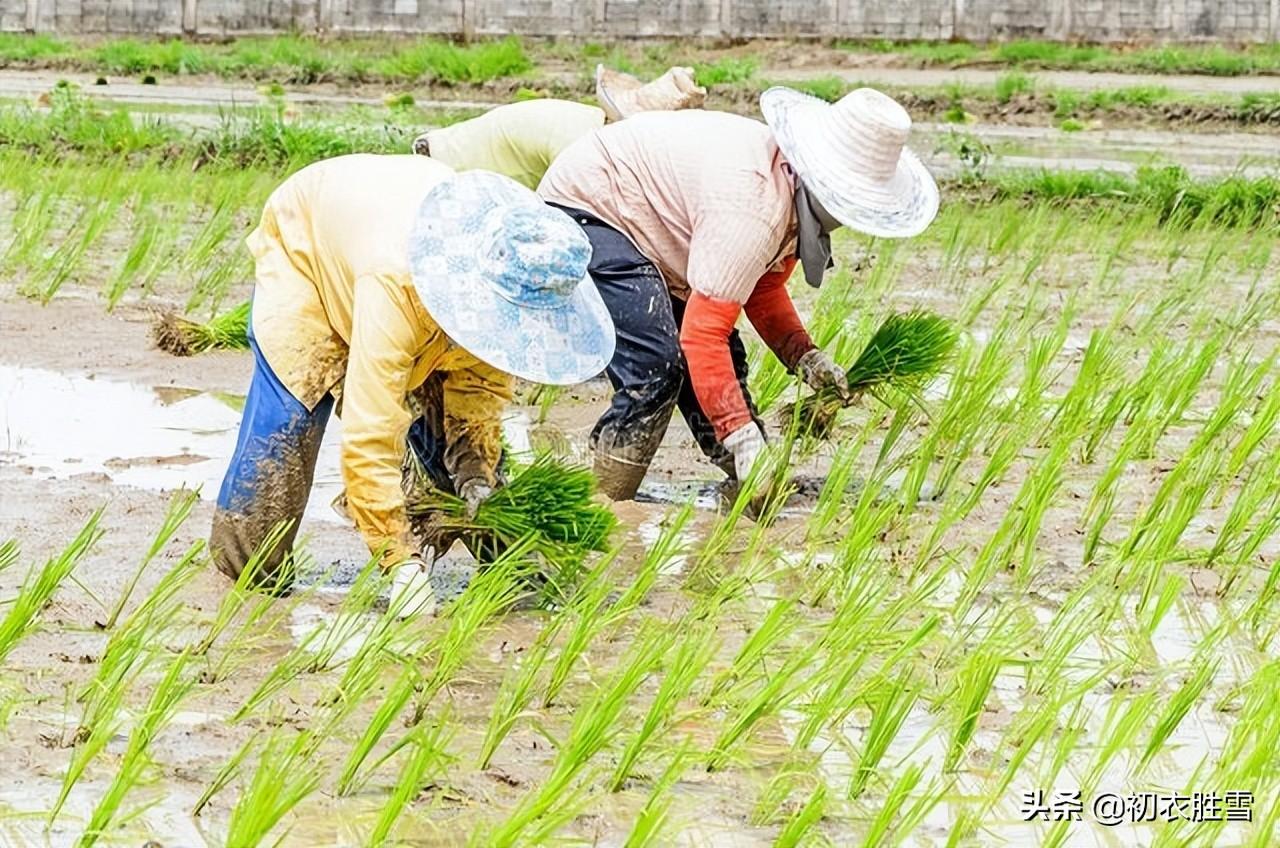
(978, 20)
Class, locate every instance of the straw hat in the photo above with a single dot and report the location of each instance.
(622, 95)
(505, 277)
(852, 157)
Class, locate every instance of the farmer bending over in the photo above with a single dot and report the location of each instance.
(381, 277)
(695, 217)
(520, 140)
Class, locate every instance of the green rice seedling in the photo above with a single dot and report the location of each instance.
(669, 545)
(587, 608)
(972, 687)
(1177, 707)
(904, 353)
(8, 553)
(517, 690)
(779, 623)
(1261, 425)
(390, 706)
(180, 506)
(595, 725)
(130, 651)
(165, 699)
(284, 777)
(890, 705)
(490, 594)
(234, 600)
(652, 819)
(688, 660)
(40, 584)
(798, 827)
(182, 337)
(547, 501)
(426, 757)
(319, 650)
(899, 793)
(1120, 731)
(776, 692)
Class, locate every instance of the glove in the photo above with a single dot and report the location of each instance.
(747, 444)
(821, 373)
(411, 592)
(474, 492)
(749, 449)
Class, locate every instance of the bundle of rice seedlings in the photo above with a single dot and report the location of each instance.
(905, 353)
(183, 337)
(547, 501)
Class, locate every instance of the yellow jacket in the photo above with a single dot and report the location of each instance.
(335, 310)
(518, 140)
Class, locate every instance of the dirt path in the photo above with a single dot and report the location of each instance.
(1078, 80)
(213, 92)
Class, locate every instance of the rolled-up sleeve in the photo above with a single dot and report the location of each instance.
(375, 419)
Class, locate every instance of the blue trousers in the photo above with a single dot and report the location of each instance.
(271, 472)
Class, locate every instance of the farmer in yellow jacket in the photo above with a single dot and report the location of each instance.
(520, 140)
(379, 277)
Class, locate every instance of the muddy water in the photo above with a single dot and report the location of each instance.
(62, 425)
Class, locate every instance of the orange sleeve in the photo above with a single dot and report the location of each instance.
(704, 338)
(772, 312)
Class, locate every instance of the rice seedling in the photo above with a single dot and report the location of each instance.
(904, 353)
(167, 695)
(595, 725)
(283, 778)
(517, 691)
(796, 829)
(651, 821)
(973, 684)
(427, 755)
(547, 502)
(1179, 704)
(40, 584)
(890, 706)
(690, 658)
(179, 509)
(183, 337)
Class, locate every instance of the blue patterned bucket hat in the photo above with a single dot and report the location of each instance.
(505, 276)
(852, 157)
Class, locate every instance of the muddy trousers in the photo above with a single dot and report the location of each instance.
(269, 479)
(648, 371)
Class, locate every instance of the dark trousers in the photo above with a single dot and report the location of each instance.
(648, 371)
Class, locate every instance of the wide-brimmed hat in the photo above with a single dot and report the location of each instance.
(852, 157)
(505, 277)
(622, 95)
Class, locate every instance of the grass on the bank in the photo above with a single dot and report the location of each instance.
(296, 59)
(1213, 59)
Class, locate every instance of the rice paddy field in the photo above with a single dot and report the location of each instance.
(1035, 602)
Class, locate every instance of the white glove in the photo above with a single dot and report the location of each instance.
(474, 492)
(411, 592)
(747, 444)
(819, 371)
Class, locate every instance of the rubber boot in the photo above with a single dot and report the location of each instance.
(616, 477)
(621, 462)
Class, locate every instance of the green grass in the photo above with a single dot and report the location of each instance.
(1212, 59)
(290, 59)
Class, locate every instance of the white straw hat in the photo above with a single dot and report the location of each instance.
(852, 157)
(622, 95)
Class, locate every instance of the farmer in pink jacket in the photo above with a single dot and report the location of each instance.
(695, 217)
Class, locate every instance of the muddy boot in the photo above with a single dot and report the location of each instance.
(618, 478)
(234, 542)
